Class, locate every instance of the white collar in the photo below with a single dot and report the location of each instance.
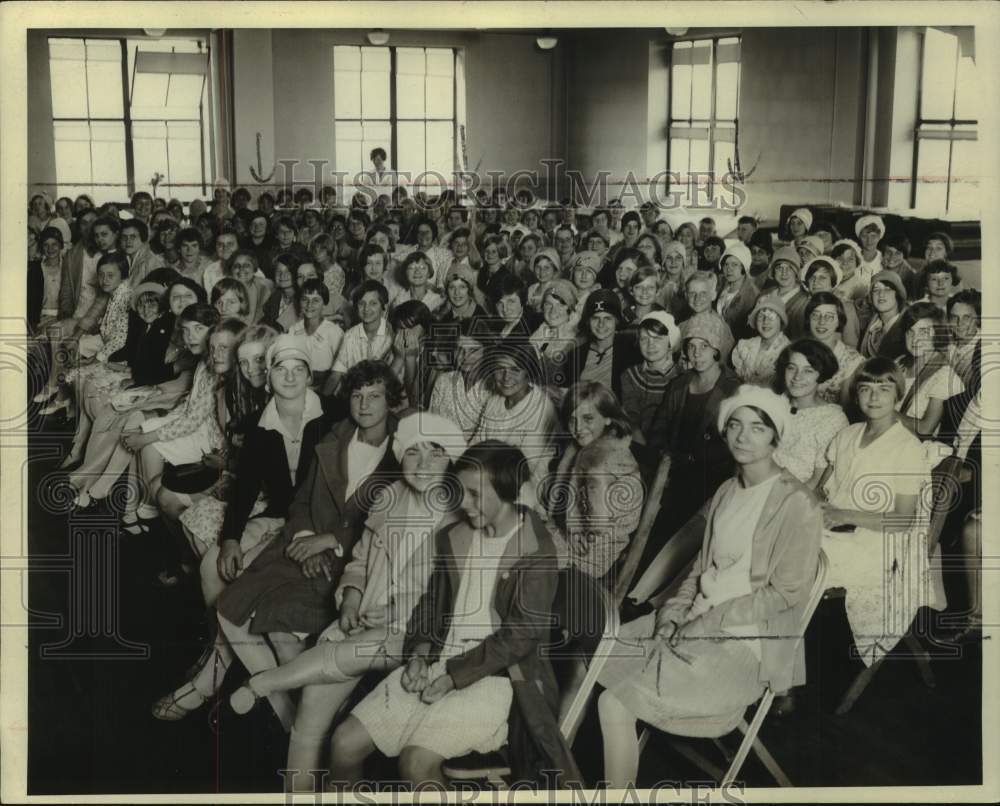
(271, 421)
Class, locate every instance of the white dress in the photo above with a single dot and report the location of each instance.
(754, 363)
(886, 573)
(473, 718)
(808, 433)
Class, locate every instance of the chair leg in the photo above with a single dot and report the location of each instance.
(697, 759)
(749, 737)
(922, 658)
(857, 687)
(727, 754)
(772, 766)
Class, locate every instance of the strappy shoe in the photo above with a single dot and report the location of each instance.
(54, 407)
(245, 699)
(140, 526)
(45, 395)
(169, 708)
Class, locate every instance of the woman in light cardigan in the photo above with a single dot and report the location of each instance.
(746, 593)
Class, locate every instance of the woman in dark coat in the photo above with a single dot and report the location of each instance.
(685, 434)
(605, 353)
(290, 587)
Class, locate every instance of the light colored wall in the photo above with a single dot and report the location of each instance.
(801, 114)
(609, 122)
(514, 94)
(41, 140)
(800, 110)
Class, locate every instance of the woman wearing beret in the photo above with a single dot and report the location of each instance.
(738, 293)
(605, 353)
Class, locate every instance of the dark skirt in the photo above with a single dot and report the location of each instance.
(274, 595)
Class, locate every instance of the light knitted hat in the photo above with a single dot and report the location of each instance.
(770, 302)
(588, 260)
(667, 320)
(549, 253)
(712, 328)
(422, 426)
(823, 262)
(787, 254)
(741, 252)
(813, 243)
(563, 289)
(773, 405)
(803, 215)
(867, 221)
(287, 346)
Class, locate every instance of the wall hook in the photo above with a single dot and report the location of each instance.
(257, 174)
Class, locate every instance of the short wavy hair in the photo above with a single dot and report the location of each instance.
(819, 356)
(368, 373)
(604, 401)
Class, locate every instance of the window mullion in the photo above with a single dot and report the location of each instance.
(127, 112)
(393, 127)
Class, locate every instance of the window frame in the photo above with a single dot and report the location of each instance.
(394, 120)
(707, 128)
(127, 86)
(951, 135)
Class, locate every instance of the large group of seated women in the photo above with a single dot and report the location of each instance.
(394, 440)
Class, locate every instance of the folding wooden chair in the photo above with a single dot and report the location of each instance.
(716, 727)
(493, 767)
(944, 485)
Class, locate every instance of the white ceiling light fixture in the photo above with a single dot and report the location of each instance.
(546, 42)
(378, 37)
(676, 31)
(156, 33)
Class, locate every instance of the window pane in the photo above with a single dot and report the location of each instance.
(680, 81)
(104, 78)
(107, 150)
(375, 60)
(149, 150)
(410, 147)
(149, 95)
(375, 95)
(68, 78)
(679, 155)
(440, 62)
(967, 98)
(184, 157)
(441, 148)
(72, 141)
(701, 80)
(699, 156)
(937, 92)
(965, 171)
(347, 82)
(932, 174)
(377, 134)
(440, 97)
(723, 156)
(184, 95)
(348, 137)
(410, 71)
(727, 90)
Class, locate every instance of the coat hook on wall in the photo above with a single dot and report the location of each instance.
(257, 174)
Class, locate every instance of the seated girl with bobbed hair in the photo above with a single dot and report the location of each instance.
(473, 645)
(378, 590)
(874, 536)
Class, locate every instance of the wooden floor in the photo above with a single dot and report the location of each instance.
(89, 696)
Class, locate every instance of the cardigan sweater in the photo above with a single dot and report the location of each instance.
(783, 564)
(522, 603)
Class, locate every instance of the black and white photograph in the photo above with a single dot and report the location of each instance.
(584, 402)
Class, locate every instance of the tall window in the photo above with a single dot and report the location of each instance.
(946, 152)
(124, 111)
(402, 99)
(704, 105)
